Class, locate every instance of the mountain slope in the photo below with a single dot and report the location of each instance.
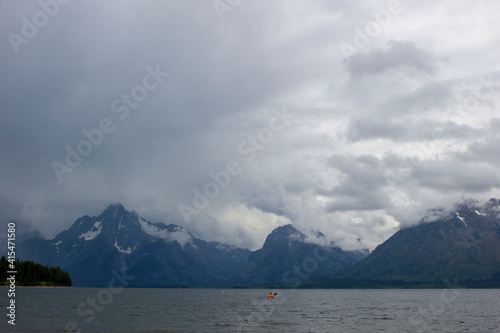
(287, 259)
(94, 248)
(464, 244)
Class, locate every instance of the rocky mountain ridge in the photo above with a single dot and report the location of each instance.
(160, 255)
(462, 245)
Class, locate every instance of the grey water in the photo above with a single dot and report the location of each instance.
(248, 310)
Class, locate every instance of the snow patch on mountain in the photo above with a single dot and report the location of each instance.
(127, 251)
(178, 234)
(461, 218)
(57, 245)
(93, 232)
(479, 213)
(120, 225)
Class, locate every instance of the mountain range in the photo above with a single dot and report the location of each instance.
(460, 245)
(288, 258)
(95, 248)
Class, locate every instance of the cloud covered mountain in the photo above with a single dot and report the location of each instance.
(462, 245)
(95, 248)
(154, 253)
(287, 259)
(459, 245)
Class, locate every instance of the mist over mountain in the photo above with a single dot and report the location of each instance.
(462, 245)
(95, 248)
(286, 259)
(155, 254)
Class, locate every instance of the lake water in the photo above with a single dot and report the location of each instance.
(205, 310)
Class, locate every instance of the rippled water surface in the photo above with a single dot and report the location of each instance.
(205, 310)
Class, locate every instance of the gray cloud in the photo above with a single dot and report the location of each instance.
(399, 130)
(361, 181)
(372, 142)
(399, 55)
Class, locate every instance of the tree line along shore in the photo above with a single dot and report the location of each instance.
(31, 274)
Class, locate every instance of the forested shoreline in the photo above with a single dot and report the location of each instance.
(31, 274)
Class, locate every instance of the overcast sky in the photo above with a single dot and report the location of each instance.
(233, 117)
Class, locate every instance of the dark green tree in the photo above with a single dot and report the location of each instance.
(30, 273)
